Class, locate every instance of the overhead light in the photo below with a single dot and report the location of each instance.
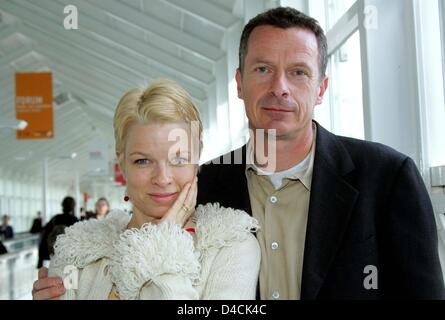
(22, 125)
(13, 124)
(69, 156)
(24, 156)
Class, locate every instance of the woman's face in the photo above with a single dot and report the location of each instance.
(157, 169)
(102, 207)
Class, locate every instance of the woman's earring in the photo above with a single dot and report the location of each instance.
(126, 198)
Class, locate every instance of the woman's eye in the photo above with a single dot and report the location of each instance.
(142, 162)
(177, 161)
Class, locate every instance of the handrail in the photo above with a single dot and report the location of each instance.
(17, 244)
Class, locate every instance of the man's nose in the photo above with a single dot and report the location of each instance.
(162, 175)
(279, 86)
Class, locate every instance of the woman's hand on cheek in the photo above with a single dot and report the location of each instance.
(184, 205)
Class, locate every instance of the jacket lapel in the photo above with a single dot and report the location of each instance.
(331, 203)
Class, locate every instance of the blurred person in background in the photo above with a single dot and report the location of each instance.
(55, 227)
(101, 209)
(3, 249)
(6, 231)
(37, 226)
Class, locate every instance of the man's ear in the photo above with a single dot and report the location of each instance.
(238, 83)
(322, 89)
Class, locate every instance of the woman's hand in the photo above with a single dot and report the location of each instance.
(184, 205)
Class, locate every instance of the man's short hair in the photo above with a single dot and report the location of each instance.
(286, 17)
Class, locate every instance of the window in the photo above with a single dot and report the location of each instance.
(342, 110)
(430, 51)
(346, 89)
(336, 9)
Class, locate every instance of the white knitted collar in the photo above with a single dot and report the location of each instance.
(88, 241)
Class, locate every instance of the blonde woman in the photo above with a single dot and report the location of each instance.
(166, 249)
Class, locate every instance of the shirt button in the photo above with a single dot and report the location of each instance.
(275, 294)
(274, 246)
(273, 199)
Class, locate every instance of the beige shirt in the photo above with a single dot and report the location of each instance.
(282, 213)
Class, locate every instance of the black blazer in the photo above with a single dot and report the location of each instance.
(368, 207)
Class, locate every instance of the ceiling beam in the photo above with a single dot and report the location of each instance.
(75, 42)
(8, 31)
(128, 41)
(162, 29)
(205, 10)
(15, 55)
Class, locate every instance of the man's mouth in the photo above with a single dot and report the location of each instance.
(275, 109)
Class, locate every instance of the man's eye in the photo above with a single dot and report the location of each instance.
(142, 162)
(300, 72)
(261, 69)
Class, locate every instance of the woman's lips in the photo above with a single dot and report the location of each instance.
(163, 197)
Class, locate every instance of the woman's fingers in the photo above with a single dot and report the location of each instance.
(174, 213)
(191, 197)
(190, 200)
(177, 206)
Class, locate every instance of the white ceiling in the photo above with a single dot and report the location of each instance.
(119, 45)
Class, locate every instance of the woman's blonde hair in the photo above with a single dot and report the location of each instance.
(164, 101)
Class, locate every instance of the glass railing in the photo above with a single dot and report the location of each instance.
(18, 267)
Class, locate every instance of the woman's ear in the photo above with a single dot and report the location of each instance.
(121, 163)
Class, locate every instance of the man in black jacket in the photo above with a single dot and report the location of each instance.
(54, 228)
(340, 218)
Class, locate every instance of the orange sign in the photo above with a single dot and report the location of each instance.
(34, 104)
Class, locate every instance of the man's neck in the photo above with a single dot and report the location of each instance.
(290, 151)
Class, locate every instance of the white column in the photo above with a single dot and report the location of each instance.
(77, 193)
(390, 88)
(45, 190)
(237, 115)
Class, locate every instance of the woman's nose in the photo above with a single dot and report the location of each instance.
(162, 175)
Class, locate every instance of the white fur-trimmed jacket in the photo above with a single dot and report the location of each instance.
(160, 261)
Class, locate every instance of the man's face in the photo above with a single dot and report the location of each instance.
(280, 83)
